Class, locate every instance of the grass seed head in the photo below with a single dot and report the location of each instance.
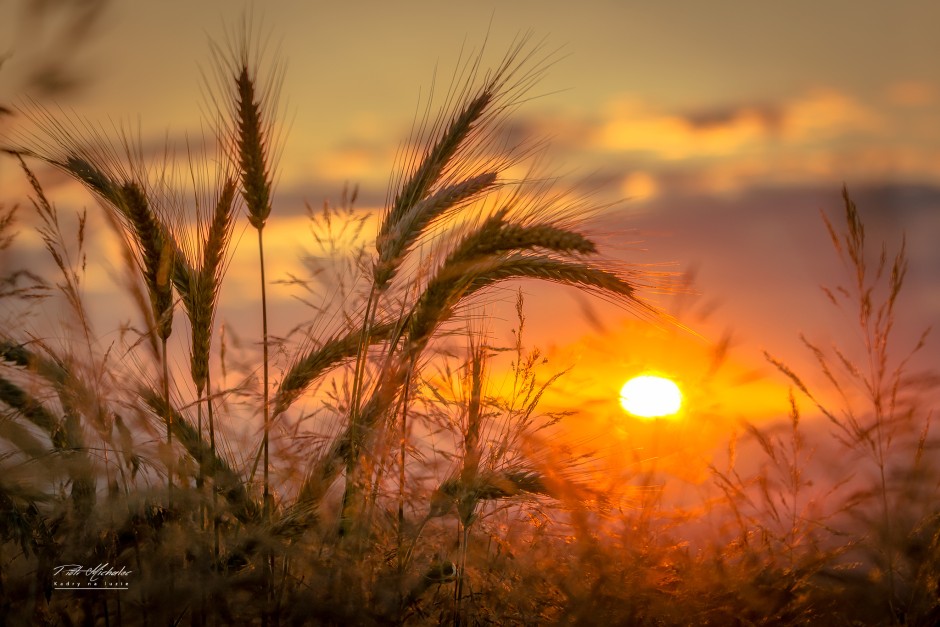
(252, 151)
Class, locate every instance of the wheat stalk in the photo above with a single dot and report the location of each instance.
(253, 112)
(436, 305)
(445, 178)
(403, 224)
(494, 252)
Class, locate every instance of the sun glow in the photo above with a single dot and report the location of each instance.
(650, 396)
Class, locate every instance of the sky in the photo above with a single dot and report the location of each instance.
(717, 132)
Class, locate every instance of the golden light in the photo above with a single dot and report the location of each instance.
(650, 396)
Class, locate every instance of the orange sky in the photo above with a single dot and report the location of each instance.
(727, 127)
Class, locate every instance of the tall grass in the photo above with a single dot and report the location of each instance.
(403, 478)
(881, 419)
(452, 230)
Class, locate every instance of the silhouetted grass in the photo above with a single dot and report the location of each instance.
(433, 492)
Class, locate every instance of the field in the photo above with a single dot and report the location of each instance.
(393, 460)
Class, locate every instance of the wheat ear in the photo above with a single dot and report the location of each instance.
(307, 368)
(485, 252)
(202, 296)
(156, 255)
(252, 151)
(394, 245)
(115, 193)
(435, 161)
(394, 239)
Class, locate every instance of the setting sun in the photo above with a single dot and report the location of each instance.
(650, 396)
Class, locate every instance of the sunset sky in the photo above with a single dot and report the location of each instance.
(722, 128)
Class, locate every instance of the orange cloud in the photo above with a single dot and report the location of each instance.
(634, 127)
(825, 114)
(350, 163)
(640, 186)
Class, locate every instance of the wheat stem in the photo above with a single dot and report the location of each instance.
(266, 389)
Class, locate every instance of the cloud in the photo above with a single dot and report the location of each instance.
(824, 136)
(633, 149)
(765, 252)
(640, 186)
(824, 114)
(354, 161)
(630, 125)
(718, 117)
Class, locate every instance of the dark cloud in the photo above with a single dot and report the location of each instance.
(293, 201)
(770, 116)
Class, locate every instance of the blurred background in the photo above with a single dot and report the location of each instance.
(715, 134)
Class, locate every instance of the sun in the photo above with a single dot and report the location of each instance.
(651, 396)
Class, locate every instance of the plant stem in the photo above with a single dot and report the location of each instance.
(266, 403)
(265, 391)
(169, 445)
(458, 586)
(169, 426)
(401, 479)
(350, 489)
(215, 521)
